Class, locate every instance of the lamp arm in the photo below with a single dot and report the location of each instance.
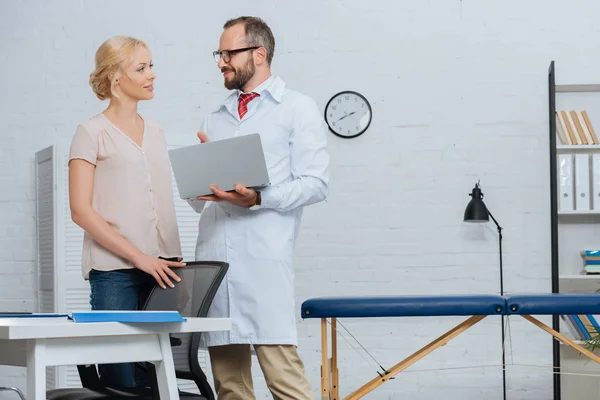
(496, 222)
(500, 246)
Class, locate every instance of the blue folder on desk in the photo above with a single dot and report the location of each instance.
(107, 316)
(126, 316)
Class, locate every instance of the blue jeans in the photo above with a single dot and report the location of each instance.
(125, 289)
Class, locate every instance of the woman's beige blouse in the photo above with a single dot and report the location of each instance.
(133, 191)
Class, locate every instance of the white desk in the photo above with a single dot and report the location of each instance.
(36, 343)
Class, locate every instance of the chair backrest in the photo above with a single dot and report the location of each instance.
(192, 297)
(13, 389)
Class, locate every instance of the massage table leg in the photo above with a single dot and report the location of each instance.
(407, 362)
(329, 387)
(561, 337)
(324, 361)
(335, 391)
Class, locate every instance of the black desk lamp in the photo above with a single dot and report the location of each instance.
(476, 211)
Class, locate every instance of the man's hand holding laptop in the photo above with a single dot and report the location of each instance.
(242, 196)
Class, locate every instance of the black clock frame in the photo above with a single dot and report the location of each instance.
(366, 102)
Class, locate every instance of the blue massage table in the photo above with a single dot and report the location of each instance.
(477, 307)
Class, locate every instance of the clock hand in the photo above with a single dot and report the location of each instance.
(347, 115)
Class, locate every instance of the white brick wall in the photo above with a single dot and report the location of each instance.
(457, 87)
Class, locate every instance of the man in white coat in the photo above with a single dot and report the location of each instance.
(255, 232)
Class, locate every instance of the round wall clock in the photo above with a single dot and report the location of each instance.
(348, 114)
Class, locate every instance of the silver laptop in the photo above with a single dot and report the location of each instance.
(223, 163)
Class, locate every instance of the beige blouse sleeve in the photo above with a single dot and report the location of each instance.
(84, 146)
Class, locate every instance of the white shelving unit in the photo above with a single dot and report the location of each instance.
(578, 277)
(577, 147)
(580, 212)
(573, 231)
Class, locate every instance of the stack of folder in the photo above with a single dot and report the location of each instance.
(574, 127)
(582, 327)
(591, 261)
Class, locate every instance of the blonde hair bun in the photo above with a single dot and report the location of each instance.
(111, 56)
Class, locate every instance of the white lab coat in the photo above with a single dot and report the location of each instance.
(258, 290)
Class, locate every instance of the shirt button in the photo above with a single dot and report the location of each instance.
(230, 247)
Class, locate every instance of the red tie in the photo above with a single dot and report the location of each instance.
(244, 99)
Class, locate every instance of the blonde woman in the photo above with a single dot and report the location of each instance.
(120, 191)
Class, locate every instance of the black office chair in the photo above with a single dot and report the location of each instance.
(192, 297)
(13, 389)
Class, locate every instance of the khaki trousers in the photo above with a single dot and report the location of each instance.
(281, 366)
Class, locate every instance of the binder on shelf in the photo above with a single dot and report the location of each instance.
(570, 123)
(578, 128)
(565, 182)
(568, 320)
(582, 182)
(566, 125)
(590, 128)
(596, 181)
(584, 128)
(587, 324)
(581, 327)
(594, 323)
(561, 131)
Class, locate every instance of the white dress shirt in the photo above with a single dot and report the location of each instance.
(258, 290)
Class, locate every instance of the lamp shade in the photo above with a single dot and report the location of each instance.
(476, 210)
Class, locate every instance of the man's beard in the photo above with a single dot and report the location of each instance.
(241, 76)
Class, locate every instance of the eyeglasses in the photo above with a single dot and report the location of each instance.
(226, 54)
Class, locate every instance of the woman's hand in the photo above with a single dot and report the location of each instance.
(159, 269)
